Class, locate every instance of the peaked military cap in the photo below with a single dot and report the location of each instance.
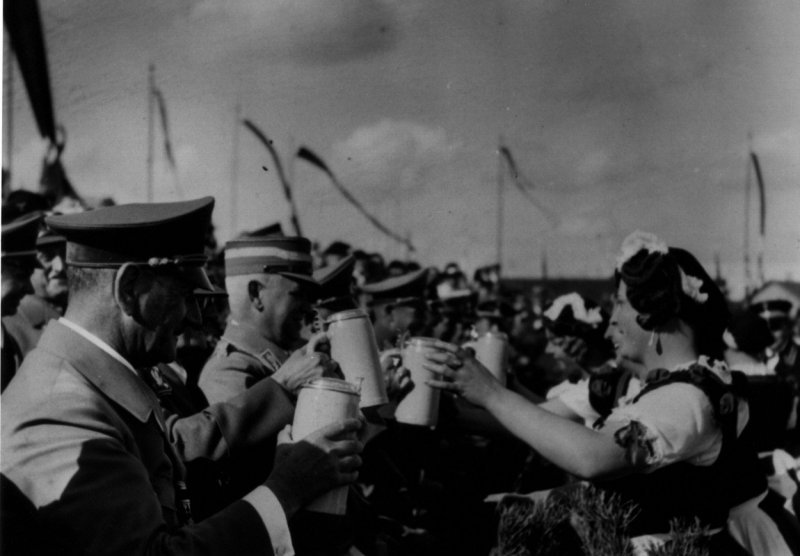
(335, 282)
(274, 229)
(748, 332)
(287, 256)
(776, 312)
(494, 309)
(458, 301)
(19, 236)
(399, 290)
(339, 248)
(152, 234)
(48, 237)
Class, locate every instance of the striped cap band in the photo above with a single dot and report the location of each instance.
(260, 259)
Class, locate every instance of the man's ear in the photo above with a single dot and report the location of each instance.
(125, 290)
(254, 293)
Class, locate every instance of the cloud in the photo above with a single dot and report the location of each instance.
(392, 156)
(308, 31)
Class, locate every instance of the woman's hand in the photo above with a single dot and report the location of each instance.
(457, 370)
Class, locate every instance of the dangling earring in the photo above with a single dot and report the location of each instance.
(655, 338)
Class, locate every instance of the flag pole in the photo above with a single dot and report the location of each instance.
(499, 233)
(150, 131)
(290, 191)
(762, 216)
(747, 277)
(9, 116)
(234, 192)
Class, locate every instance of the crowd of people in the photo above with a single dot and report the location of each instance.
(150, 380)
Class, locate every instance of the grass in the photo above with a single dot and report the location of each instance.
(582, 521)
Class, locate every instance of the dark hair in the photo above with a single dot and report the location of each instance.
(655, 290)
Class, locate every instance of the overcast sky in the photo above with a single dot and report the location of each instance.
(622, 114)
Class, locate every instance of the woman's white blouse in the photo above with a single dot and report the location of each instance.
(678, 421)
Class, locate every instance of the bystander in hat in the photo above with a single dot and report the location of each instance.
(398, 290)
(398, 306)
(336, 287)
(18, 259)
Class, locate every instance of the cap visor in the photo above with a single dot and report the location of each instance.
(198, 277)
(304, 278)
(216, 291)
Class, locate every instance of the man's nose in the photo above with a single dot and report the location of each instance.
(57, 265)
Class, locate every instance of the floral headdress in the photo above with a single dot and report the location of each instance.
(651, 244)
(638, 241)
(691, 287)
(589, 316)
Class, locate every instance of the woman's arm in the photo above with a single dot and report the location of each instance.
(569, 445)
(572, 446)
(557, 407)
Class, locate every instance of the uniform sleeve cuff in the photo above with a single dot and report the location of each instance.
(269, 509)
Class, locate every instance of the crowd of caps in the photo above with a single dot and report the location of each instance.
(421, 489)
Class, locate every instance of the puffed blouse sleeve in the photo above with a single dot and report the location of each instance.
(666, 425)
(576, 398)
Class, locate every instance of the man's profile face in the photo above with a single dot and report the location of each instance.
(408, 318)
(16, 282)
(51, 257)
(166, 305)
(288, 302)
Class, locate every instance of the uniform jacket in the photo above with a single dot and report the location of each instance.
(27, 324)
(241, 358)
(228, 447)
(84, 440)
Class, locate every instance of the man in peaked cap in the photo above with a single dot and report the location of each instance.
(335, 253)
(270, 286)
(49, 298)
(335, 291)
(398, 306)
(51, 253)
(18, 262)
(783, 356)
(84, 441)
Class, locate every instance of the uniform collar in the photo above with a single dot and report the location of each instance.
(107, 373)
(97, 342)
(249, 339)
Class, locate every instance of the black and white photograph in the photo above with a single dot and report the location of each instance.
(400, 278)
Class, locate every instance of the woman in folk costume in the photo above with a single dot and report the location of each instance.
(595, 380)
(676, 448)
